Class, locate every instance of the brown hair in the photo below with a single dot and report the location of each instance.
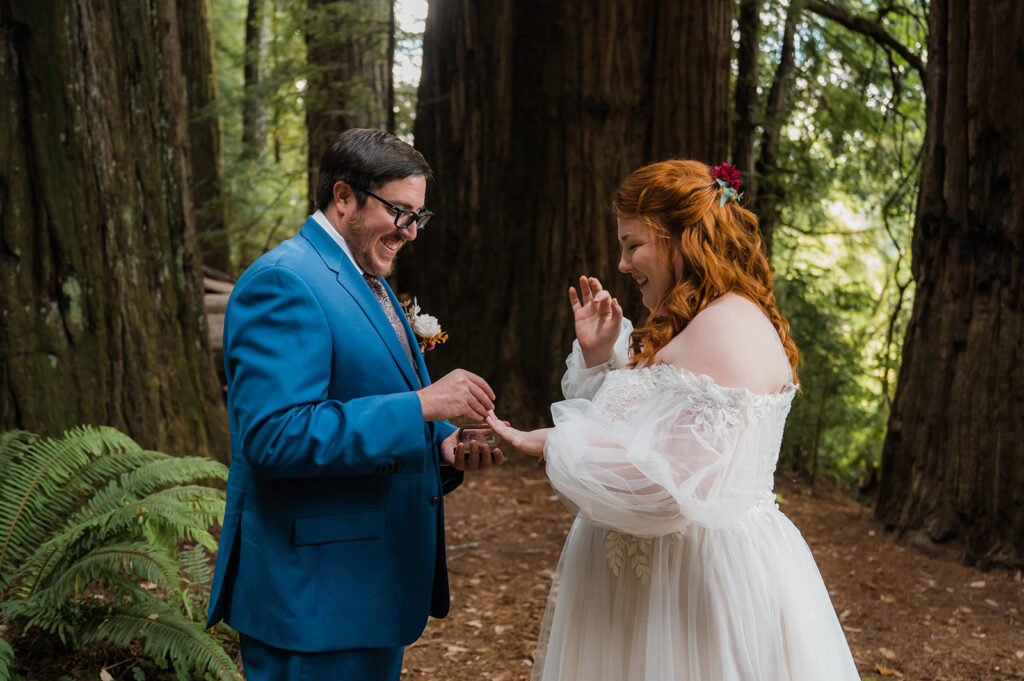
(721, 248)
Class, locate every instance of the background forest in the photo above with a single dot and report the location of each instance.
(149, 147)
(839, 150)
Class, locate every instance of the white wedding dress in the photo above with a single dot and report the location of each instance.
(679, 565)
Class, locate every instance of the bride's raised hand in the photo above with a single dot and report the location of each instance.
(598, 319)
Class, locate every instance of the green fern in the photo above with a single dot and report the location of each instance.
(198, 577)
(6, 655)
(90, 519)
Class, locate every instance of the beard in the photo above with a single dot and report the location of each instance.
(363, 241)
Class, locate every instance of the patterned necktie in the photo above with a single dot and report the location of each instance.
(389, 311)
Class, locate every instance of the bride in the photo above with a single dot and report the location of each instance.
(679, 565)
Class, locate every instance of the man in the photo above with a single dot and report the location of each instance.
(332, 549)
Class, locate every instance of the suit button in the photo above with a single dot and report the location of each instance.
(434, 501)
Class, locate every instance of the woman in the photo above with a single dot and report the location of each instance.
(679, 564)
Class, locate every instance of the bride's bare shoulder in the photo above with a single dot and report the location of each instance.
(734, 343)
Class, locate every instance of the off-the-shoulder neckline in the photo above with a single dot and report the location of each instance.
(786, 390)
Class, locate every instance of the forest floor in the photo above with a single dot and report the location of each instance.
(906, 615)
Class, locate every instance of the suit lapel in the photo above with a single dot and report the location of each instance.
(350, 279)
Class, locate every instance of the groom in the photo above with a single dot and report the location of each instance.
(332, 549)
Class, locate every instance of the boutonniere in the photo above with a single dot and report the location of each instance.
(425, 326)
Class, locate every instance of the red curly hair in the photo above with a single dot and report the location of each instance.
(721, 248)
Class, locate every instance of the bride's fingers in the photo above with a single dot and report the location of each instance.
(496, 424)
(595, 285)
(588, 295)
(507, 433)
(574, 299)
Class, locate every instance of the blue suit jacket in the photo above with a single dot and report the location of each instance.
(333, 537)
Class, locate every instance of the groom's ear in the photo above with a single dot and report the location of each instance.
(344, 198)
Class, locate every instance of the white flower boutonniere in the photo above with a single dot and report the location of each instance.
(427, 328)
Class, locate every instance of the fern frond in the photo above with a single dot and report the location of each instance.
(93, 508)
(138, 559)
(6, 660)
(82, 487)
(195, 565)
(179, 512)
(161, 471)
(164, 632)
(197, 577)
(42, 470)
(12, 444)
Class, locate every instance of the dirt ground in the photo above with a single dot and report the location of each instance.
(906, 615)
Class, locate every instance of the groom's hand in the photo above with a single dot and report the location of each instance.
(469, 456)
(459, 393)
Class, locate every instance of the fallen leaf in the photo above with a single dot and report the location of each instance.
(105, 675)
(887, 653)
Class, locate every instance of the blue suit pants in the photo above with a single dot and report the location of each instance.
(266, 663)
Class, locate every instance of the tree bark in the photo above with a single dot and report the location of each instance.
(769, 197)
(254, 110)
(746, 104)
(953, 462)
(206, 164)
(531, 113)
(100, 285)
(350, 72)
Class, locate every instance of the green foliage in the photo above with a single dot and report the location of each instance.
(266, 185)
(90, 525)
(849, 166)
(6, 660)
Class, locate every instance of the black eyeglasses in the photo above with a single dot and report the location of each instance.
(404, 217)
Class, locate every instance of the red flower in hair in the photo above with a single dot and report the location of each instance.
(727, 173)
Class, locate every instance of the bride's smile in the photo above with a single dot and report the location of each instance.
(643, 258)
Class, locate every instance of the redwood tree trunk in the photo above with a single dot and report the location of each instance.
(254, 109)
(100, 284)
(350, 72)
(953, 459)
(531, 113)
(768, 198)
(745, 97)
(206, 165)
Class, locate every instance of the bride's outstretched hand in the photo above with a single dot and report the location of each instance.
(598, 319)
(526, 441)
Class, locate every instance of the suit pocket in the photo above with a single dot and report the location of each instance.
(335, 527)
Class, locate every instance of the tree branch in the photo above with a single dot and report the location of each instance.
(867, 28)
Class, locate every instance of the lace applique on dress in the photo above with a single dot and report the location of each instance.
(713, 407)
(625, 391)
(620, 548)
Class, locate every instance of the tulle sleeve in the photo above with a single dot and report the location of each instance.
(676, 459)
(581, 381)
